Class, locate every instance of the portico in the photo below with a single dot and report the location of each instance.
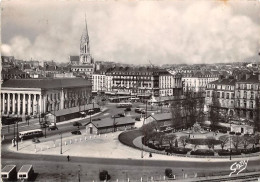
(36, 96)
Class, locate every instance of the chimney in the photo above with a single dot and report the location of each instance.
(247, 75)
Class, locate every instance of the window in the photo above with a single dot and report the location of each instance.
(227, 95)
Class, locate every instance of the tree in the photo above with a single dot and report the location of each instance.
(169, 139)
(257, 114)
(176, 143)
(183, 140)
(224, 140)
(246, 140)
(149, 130)
(236, 141)
(209, 142)
(176, 111)
(256, 139)
(214, 111)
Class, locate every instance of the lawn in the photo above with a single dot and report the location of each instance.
(128, 137)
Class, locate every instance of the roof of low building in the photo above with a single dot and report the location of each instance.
(162, 116)
(47, 83)
(72, 110)
(109, 122)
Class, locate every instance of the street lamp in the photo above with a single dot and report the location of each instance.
(230, 139)
(60, 143)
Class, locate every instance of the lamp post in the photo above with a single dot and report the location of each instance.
(230, 139)
(60, 143)
(17, 135)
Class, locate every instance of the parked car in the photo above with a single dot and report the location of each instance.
(121, 115)
(96, 119)
(77, 124)
(103, 175)
(128, 109)
(43, 125)
(168, 173)
(116, 116)
(140, 110)
(53, 127)
(36, 140)
(76, 132)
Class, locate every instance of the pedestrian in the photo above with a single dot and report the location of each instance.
(150, 154)
(68, 157)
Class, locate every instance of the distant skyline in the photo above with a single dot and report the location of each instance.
(133, 32)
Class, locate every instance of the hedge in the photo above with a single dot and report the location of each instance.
(226, 152)
(202, 152)
(178, 150)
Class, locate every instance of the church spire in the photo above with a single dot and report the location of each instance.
(85, 56)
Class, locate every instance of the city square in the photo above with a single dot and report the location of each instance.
(130, 91)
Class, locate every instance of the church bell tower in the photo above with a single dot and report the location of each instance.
(85, 56)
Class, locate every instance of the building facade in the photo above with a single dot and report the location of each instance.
(240, 97)
(197, 80)
(170, 84)
(247, 92)
(36, 96)
(222, 92)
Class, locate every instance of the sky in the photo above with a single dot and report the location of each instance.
(131, 31)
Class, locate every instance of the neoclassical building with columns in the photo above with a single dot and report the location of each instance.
(36, 96)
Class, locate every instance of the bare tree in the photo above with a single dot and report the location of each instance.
(176, 110)
(214, 111)
(149, 130)
(247, 140)
(224, 140)
(236, 141)
(169, 139)
(183, 140)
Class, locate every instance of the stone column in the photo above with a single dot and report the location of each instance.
(3, 102)
(35, 105)
(29, 104)
(24, 104)
(18, 104)
(8, 103)
(62, 99)
(13, 106)
(40, 103)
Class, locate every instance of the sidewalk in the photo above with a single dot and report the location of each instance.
(99, 146)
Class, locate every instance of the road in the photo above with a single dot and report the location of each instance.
(57, 168)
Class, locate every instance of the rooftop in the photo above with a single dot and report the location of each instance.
(109, 122)
(46, 83)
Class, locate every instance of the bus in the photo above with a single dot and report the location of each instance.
(26, 173)
(9, 173)
(124, 105)
(134, 99)
(30, 134)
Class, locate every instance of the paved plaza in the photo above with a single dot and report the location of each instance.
(97, 146)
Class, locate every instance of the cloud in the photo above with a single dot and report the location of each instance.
(134, 32)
